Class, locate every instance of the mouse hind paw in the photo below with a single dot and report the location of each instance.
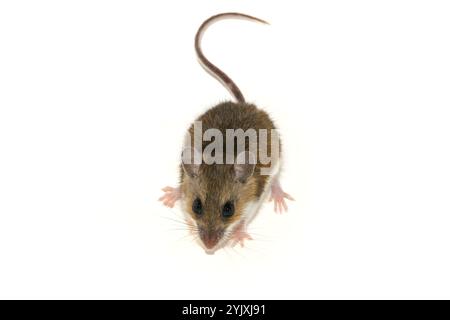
(278, 197)
(171, 196)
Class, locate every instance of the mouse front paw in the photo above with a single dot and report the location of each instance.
(278, 196)
(170, 197)
(239, 236)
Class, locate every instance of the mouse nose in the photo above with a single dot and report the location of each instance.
(210, 239)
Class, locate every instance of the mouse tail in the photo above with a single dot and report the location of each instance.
(211, 68)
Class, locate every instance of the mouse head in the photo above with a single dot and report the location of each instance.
(216, 197)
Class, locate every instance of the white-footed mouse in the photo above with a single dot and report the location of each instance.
(225, 176)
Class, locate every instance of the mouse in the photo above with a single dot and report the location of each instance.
(230, 163)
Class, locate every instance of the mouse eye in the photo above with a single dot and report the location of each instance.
(228, 209)
(197, 207)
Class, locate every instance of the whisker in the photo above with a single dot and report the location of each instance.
(183, 222)
(178, 229)
(237, 252)
(261, 237)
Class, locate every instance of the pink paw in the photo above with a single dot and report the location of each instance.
(239, 236)
(170, 196)
(278, 196)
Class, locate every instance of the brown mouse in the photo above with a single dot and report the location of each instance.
(230, 163)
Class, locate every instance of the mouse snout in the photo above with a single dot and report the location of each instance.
(210, 238)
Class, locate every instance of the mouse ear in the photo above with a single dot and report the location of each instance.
(244, 165)
(191, 160)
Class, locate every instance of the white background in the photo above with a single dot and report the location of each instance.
(94, 100)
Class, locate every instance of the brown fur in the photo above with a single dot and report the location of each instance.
(215, 183)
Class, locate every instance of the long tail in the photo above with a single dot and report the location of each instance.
(211, 68)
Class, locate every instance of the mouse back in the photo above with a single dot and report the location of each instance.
(216, 184)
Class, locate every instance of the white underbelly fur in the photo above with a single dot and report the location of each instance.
(252, 209)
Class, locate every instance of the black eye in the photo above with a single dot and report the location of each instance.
(197, 206)
(228, 209)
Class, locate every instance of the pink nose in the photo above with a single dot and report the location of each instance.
(210, 239)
